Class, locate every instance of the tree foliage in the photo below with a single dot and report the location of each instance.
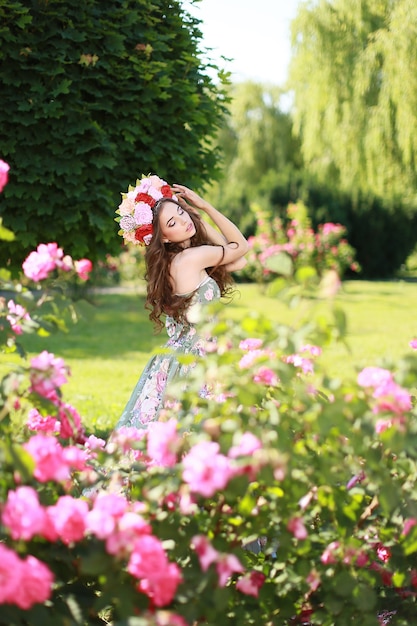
(257, 143)
(354, 76)
(92, 94)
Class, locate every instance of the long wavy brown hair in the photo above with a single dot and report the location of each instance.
(161, 300)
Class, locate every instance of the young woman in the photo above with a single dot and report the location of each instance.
(188, 262)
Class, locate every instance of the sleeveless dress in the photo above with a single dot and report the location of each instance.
(147, 398)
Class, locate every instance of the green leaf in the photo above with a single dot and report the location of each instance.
(280, 263)
(5, 233)
(364, 597)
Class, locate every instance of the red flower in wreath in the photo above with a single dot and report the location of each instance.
(142, 232)
(145, 197)
(166, 191)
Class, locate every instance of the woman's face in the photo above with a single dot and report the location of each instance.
(175, 223)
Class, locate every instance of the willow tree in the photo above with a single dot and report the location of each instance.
(354, 77)
(257, 144)
(92, 94)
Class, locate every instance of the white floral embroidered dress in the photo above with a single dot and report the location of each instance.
(148, 395)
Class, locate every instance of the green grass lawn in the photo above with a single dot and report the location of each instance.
(109, 347)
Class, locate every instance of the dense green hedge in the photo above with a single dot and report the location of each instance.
(92, 94)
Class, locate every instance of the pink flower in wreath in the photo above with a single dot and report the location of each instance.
(143, 214)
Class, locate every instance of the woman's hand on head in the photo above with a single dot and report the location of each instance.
(189, 196)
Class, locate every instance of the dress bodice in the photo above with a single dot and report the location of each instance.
(184, 335)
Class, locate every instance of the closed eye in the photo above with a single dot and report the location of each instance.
(171, 222)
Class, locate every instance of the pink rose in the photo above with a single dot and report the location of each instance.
(4, 174)
(373, 377)
(299, 361)
(205, 551)
(162, 585)
(70, 419)
(296, 527)
(69, 518)
(250, 583)
(83, 268)
(329, 555)
(49, 459)
(408, 525)
(205, 470)
(47, 374)
(128, 528)
(266, 376)
(17, 314)
(10, 574)
(247, 445)
(250, 344)
(40, 423)
(392, 398)
(41, 262)
(107, 510)
(228, 564)
(143, 214)
(23, 514)
(35, 584)
(147, 557)
(163, 442)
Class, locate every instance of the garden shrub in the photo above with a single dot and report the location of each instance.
(266, 493)
(158, 527)
(382, 232)
(89, 91)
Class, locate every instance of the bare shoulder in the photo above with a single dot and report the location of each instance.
(201, 256)
(187, 270)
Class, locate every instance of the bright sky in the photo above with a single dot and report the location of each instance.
(254, 33)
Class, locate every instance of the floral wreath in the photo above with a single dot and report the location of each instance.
(135, 211)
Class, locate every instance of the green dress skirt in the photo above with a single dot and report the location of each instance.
(147, 398)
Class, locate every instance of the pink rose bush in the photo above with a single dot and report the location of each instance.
(23, 582)
(286, 246)
(285, 497)
(49, 257)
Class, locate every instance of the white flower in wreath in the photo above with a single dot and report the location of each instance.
(127, 206)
